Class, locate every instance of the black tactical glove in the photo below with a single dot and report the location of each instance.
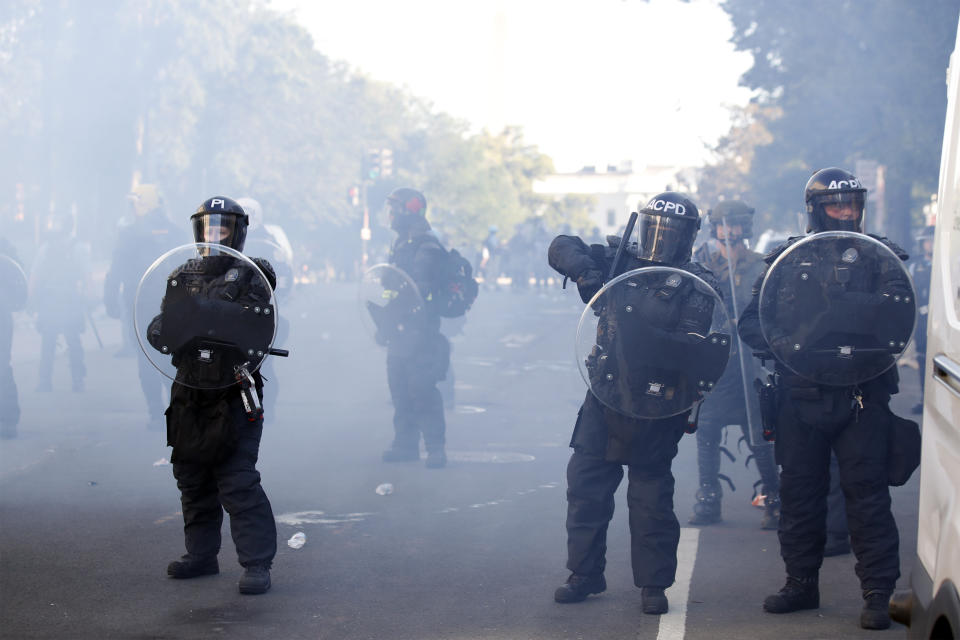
(589, 283)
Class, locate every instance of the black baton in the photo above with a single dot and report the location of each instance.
(624, 241)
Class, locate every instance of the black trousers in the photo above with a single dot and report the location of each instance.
(233, 484)
(654, 529)
(718, 412)
(807, 431)
(412, 374)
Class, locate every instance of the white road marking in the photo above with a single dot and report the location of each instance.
(673, 624)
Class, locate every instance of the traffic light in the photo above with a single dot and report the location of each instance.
(371, 164)
(377, 163)
(386, 163)
(353, 196)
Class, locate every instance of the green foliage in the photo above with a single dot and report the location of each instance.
(209, 97)
(850, 80)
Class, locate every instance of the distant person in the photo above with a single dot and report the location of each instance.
(736, 268)
(488, 266)
(58, 294)
(147, 236)
(920, 269)
(604, 440)
(418, 354)
(215, 437)
(13, 299)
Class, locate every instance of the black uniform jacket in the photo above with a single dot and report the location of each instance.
(749, 328)
(603, 431)
(203, 423)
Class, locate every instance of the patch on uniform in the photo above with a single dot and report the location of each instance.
(673, 280)
(232, 275)
(850, 255)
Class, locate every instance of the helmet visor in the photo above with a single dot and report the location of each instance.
(664, 239)
(840, 211)
(218, 228)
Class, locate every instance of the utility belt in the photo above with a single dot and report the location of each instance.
(780, 386)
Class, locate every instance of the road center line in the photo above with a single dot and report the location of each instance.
(673, 624)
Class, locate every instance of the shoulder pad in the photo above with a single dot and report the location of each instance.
(893, 246)
(701, 272)
(268, 271)
(427, 241)
(192, 265)
(775, 253)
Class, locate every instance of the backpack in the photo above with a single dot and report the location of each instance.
(454, 286)
(457, 289)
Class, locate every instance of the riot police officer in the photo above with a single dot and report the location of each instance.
(59, 282)
(604, 439)
(418, 355)
(215, 440)
(812, 418)
(736, 267)
(148, 235)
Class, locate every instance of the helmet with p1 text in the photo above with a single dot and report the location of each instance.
(220, 220)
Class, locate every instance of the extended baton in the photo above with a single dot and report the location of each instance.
(624, 241)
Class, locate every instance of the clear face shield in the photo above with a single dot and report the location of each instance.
(842, 211)
(215, 228)
(663, 239)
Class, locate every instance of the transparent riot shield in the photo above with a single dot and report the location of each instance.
(390, 302)
(837, 308)
(653, 342)
(205, 316)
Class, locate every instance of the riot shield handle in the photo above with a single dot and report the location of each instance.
(624, 241)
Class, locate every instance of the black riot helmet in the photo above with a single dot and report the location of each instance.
(220, 220)
(837, 188)
(668, 227)
(405, 206)
(732, 213)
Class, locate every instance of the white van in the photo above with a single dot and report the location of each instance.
(931, 607)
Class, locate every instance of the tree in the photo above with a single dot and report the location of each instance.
(852, 80)
(228, 97)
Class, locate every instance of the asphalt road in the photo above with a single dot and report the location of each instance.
(89, 511)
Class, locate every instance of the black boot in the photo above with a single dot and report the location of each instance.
(654, 600)
(771, 513)
(255, 580)
(706, 510)
(187, 567)
(578, 587)
(796, 594)
(876, 610)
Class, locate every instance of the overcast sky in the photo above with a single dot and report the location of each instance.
(590, 81)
